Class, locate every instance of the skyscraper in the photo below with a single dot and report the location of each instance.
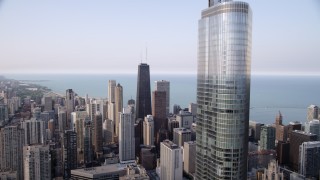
(126, 136)
(111, 94)
(118, 106)
(313, 112)
(267, 138)
(223, 91)
(309, 159)
(159, 109)
(164, 85)
(97, 135)
(170, 161)
(69, 152)
(143, 99)
(70, 105)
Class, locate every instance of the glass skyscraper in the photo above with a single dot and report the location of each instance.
(223, 90)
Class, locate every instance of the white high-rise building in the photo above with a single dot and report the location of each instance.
(164, 85)
(34, 131)
(126, 137)
(170, 161)
(37, 162)
(313, 127)
(148, 130)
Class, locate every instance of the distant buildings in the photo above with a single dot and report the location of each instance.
(181, 135)
(185, 119)
(273, 172)
(159, 111)
(69, 152)
(313, 127)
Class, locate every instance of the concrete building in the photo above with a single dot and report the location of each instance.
(34, 132)
(111, 90)
(170, 161)
(164, 85)
(185, 119)
(267, 138)
(223, 90)
(189, 159)
(143, 98)
(181, 135)
(126, 137)
(309, 159)
(313, 127)
(159, 110)
(37, 162)
(172, 124)
(313, 112)
(297, 138)
(148, 130)
(11, 153)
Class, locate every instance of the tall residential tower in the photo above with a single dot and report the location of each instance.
(223, 90)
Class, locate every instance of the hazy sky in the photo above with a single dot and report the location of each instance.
(103, 36)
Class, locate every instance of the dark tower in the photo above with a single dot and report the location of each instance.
(143, 102)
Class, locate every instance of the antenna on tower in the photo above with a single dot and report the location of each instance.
(141, 56)
(146, 53)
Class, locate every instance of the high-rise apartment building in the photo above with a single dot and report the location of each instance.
(313, 112)
(267, 138)
(118, 106)
(34, 131)
(126, 137)
(148, 130)
(62, 120)
(223, 90)
(309, 159)
(170, 161)
(37, 162)
(4, 116)
(143, 98)
(11, 153)
(164, 85)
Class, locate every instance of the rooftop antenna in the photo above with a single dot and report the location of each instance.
(146, 53)
(141, 56)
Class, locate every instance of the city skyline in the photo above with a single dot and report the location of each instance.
(110, 37)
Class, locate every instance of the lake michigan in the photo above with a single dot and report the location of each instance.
(291, 95)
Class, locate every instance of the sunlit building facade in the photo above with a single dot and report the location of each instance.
(223, 90)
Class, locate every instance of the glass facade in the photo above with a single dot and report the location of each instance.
(223, 91)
